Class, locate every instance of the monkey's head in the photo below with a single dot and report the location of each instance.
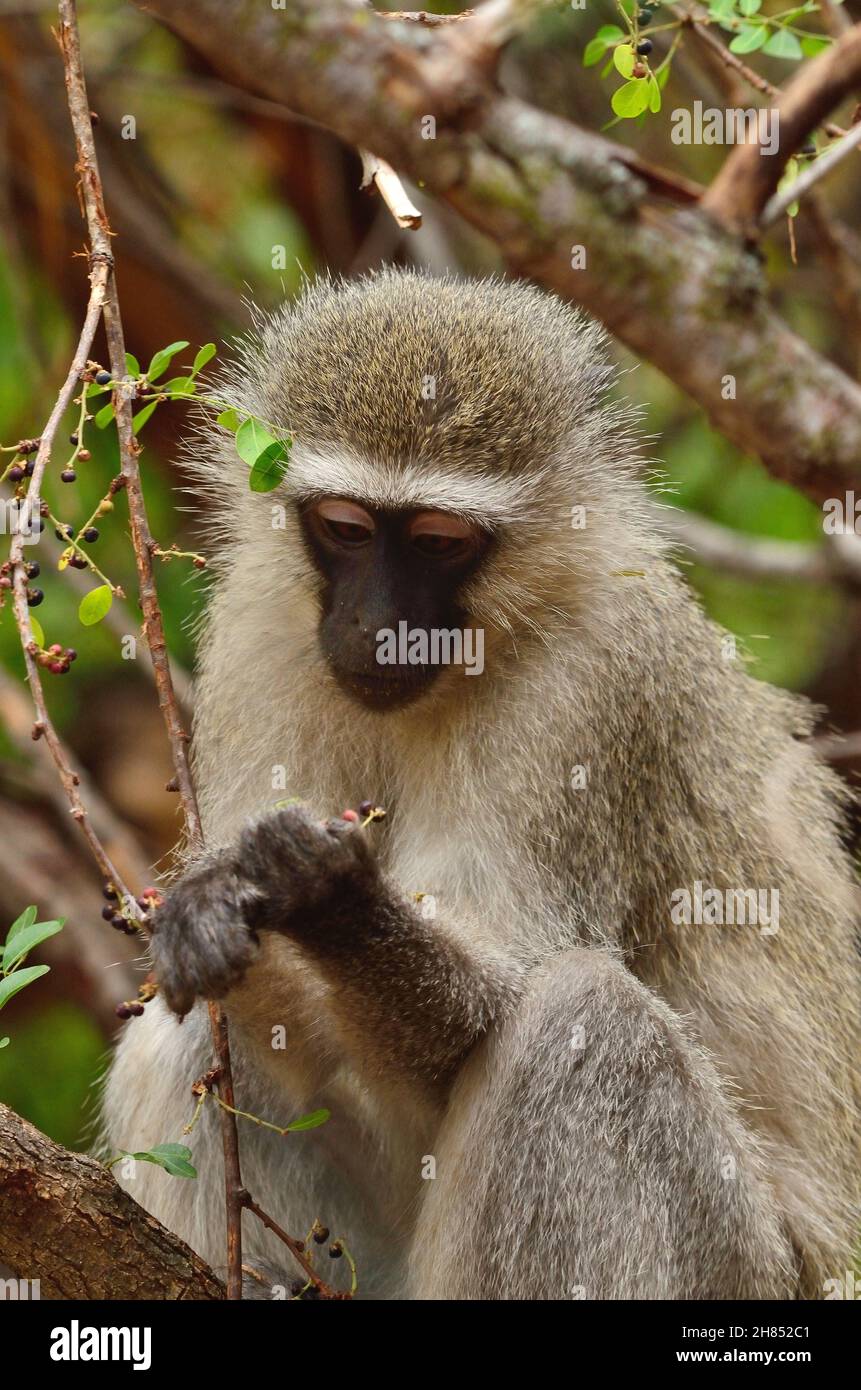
(455, 470)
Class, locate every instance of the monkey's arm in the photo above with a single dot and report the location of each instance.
(406, 993)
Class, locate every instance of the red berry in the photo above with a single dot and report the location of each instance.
(349, 815)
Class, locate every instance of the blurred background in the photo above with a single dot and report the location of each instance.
(213, 188)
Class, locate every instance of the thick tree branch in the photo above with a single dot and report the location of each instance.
(749, 177)
(671, 286)
(65, 1221)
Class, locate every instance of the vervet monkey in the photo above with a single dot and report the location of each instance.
(551, 1088)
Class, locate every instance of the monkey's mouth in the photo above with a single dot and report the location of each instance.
(387, 690)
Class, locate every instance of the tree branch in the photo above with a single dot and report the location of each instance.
(672, 286)
(65, 1221)
(749, 177)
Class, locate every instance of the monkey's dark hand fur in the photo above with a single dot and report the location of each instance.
(287, 874)
(397, 977)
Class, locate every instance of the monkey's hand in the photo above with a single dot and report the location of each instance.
(288, 874)
(202, 942)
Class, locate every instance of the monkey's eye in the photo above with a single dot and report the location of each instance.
(344, 522)
(441, 536)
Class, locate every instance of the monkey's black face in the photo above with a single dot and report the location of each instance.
(391, 580)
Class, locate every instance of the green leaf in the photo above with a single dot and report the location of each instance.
(22, 923)
(4, 1042)
(95, 605)
(312, 1121)
(662, 76)
(133, 366)
(252, 439)
(27, 940)
(139, 420)
(813, 45)
(269, 468)
(721, 9)
(749, 7)
(624, 59)
(654, 94)
(36, 628)
(104, 416)
(180, 386)
(94, 389)
(229, 419)
(749, 39)
(204, 355)
(19, 979)
(173, 1158)
(631, 100)
(163, 358)
(782, 44)
(597, 47)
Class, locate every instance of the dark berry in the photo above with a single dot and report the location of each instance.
(336, 1250)
(71, 654)
(79, 562)
(34, 569)
(296, 1287)
(69, 475)
(118, 922)
(109, 892)
(57, 668)
(103, 378)
(644, 46)
(16, 473)
(30, 467)
(34, 597)
(108, 912)
(64, 533)
(91, 533)
(136, 1009)
(365, 808)
(123, 1011)
(645, 16)
(321, 1234)
(73, 439)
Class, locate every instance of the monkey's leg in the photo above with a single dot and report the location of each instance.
(589, 1151)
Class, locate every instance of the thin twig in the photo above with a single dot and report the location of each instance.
(778, 205)
(296, 1247)
(43, 727)
(100, 247)
(383, 177)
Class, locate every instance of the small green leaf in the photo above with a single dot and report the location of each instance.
(36, 629)
(597, 47)
(749, 7)
(27, 918)
(204, 355)
(782, 44)
(312, 1121)
(229, 419)
(94, 389)
(749, 39)
(133, 366)
(163, 358)
(173, 1158)
(139, 420)
(252, 439)
(180, 386)
(105, 416)
(19, 979)
(624, 59)
(4, 1042)
(95, 605)
(654, 93)
(813, 45)
(631, 100)
(27, 940)
(662, 76)
(269, 468)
